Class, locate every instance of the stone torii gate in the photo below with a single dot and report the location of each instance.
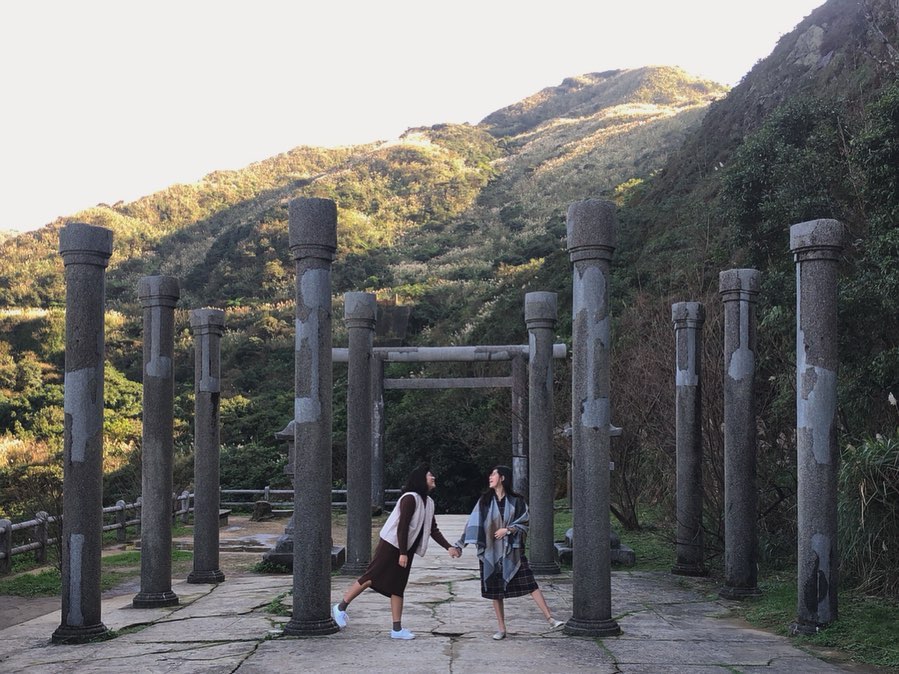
(531, 370)
(517, 381)
(313, 243)
(365, 422)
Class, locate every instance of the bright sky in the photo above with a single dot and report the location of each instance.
(109, 100)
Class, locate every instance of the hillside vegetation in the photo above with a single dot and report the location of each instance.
(451, 225)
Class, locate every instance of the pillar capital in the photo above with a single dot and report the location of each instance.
(360, 310)
(158, 291)
(687, 314)
(821, 239)
(313, 228)
(592, 228)
(540, 310)
(207, 320)
(80, 243)
(739, 284)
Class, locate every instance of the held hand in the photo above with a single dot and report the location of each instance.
(454, 552)
(500, 533)
(404, 560)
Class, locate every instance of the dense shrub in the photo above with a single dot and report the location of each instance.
(869, 515)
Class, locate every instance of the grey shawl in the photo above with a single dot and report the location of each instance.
(505, 552)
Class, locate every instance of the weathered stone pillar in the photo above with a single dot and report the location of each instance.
(540, 316)
(208, 326)
(739, 289)
(158, 296)
(816, 247)
(688, 318)
(591, 242)
(85, 253)
(313, 244)
(520, 450)
(360, 311)
(377, 431)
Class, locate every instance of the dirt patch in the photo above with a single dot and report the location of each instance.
(15, 610)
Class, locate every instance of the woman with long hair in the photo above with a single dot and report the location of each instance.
(498, 526)
(406, 532)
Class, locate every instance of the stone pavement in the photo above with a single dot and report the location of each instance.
(669, 624)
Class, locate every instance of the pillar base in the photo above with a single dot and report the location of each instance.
(154, 599)
(591, 628)
(799, 627)
(310, 628)
(355, 569)
(66, 634)
(739, 593)
(545, 568)
(695, 570)
(199, 577)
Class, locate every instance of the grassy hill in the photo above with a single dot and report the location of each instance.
(452, 224)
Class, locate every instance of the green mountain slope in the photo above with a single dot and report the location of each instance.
(451, 225)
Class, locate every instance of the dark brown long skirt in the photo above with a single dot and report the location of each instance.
(385, 573)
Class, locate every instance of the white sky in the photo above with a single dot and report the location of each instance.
(109, 100)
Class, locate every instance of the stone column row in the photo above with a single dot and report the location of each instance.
(816, 246)
(86, 250)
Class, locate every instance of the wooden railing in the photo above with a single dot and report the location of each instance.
(35, 537)
(267, 494)
(36, 532)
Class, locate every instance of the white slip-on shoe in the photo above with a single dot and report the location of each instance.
(339, 616)
(499, 635)
(555, 624)
(401, 634)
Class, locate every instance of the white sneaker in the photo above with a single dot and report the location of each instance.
(555, 624)
(339, 616)
(401, 634)
(499, 636)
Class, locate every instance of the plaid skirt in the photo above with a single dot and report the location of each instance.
(522, 583)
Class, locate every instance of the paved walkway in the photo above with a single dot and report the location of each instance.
(669, 624)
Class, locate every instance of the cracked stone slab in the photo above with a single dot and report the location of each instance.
(669, 624)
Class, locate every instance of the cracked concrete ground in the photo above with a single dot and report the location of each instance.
(669, 624)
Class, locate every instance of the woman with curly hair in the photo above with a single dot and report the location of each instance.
(405, 532)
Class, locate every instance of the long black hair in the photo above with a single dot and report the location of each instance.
(418, 481)
(508, 485)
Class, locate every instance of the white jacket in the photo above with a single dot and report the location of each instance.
(421, 518)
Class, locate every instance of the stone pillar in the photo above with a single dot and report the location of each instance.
(377, 431)
(520, 422)
(85, 253)
(540, 316)
(313, 244)
(688, 318)
(360, 311)
(208, 326)
(816, 247)
(591, 241)
(739, 289)
(158, 296)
